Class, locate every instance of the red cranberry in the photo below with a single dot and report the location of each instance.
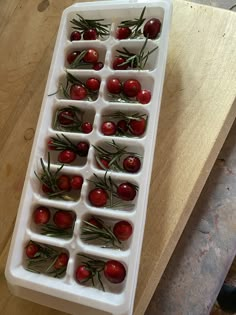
(131, 87)
(117, 64)
(86, 127)
(114, 86)
(123, 32)
(98, 66)
(90, 34)
(72, 56)
(82, 148)
(108, 128)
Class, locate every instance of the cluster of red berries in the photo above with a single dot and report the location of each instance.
(151, 29)
(70, 119)
(113, 270)
(131, 164)
(87, 59)
(89, 29)
(134, 127)
(46, 259)
(68, 150)
(130, 89)
(82, 91)
(62, 219)
(98, 197)
(122, 230)
(65, 183)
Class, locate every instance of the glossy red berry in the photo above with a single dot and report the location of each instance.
(86, 127)
(105, 164)
(66, 117)
(76, 182)
(51, 146)
(117, 64)
(63, 219)
(126, 191)
(98, 66)
(98, 197)
(82, 274)
(93, 84)
(32, 250)
(122, 126)
(108, 128)
(61, 261)
(78, 92)
(66, 156)
(143, 96)
(90, 34)
(41, 215)
(91, 56)
(131, 87)
(152, 28)
(123, 32)
(114, 86)
(75, 36)
(83, 148)
(131, 164)
(63, 183)
(46, 189)
(137, 127)
(122, 230)
(114, 271)
(72, 56)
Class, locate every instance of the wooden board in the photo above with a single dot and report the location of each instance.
(197, 112)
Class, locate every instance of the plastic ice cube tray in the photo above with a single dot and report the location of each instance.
(65, 293)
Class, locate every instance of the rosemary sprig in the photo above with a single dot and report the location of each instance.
(135, 25)
(113, 154)
(53, 231)
(120, 115)
(61, 143)
(76, 119)
(102, 233)
(49, 180)
(121, 98)
(83, 25)
(95, 267)
(44, 260)
(137, 60)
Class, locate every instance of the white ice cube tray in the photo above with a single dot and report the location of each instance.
(66, 293)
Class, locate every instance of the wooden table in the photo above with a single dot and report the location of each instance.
(197, 112)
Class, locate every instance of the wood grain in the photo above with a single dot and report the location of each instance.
(197, 112)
